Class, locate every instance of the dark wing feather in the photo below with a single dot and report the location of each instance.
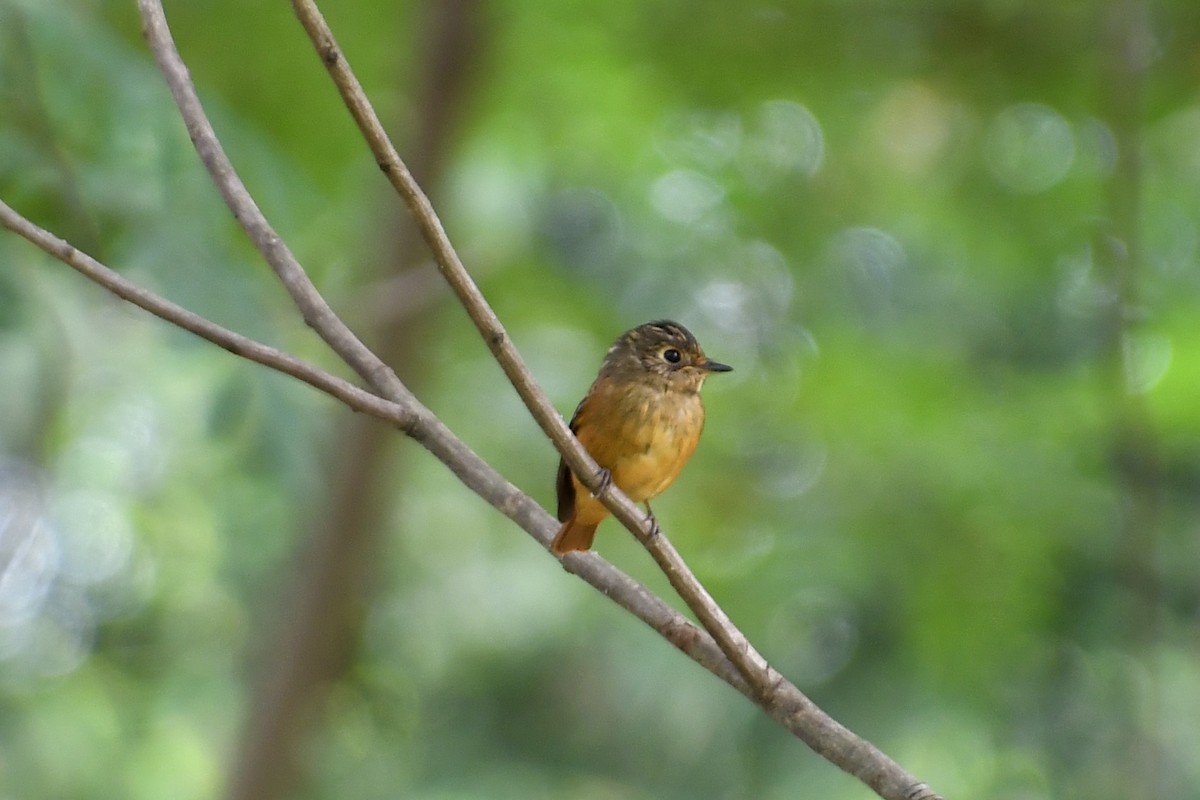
(566, 492)
(565, 487)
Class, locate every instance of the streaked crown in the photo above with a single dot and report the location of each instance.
(663, 349)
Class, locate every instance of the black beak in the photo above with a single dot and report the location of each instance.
(716, 366)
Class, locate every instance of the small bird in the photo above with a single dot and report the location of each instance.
(640, 421)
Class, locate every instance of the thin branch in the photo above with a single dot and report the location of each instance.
(354, 397)
(781, 699)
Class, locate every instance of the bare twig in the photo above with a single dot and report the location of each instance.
(353, 396)
(764, 685)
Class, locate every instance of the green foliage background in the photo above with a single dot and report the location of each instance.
(941, 491)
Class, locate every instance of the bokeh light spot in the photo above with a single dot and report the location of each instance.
(29, 552)
(787, 139)
(1147, 358)
(685, 196)
(700, 137)
(913, 127)
(869, 259)
(1029, 148)
(96, 535)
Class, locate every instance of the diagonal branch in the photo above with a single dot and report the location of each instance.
(781, 699)
(353, 396)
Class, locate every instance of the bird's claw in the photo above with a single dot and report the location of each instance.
(604, 476)
(653, 520)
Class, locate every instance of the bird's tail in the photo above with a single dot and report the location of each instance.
(573, 535)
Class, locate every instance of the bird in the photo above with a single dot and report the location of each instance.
(640, 421)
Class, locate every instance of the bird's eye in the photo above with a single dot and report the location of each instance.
(672, 355)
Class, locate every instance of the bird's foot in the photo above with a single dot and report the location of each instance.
(604, 476)
(653, 520)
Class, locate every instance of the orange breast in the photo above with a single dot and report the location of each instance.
(644, 436)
